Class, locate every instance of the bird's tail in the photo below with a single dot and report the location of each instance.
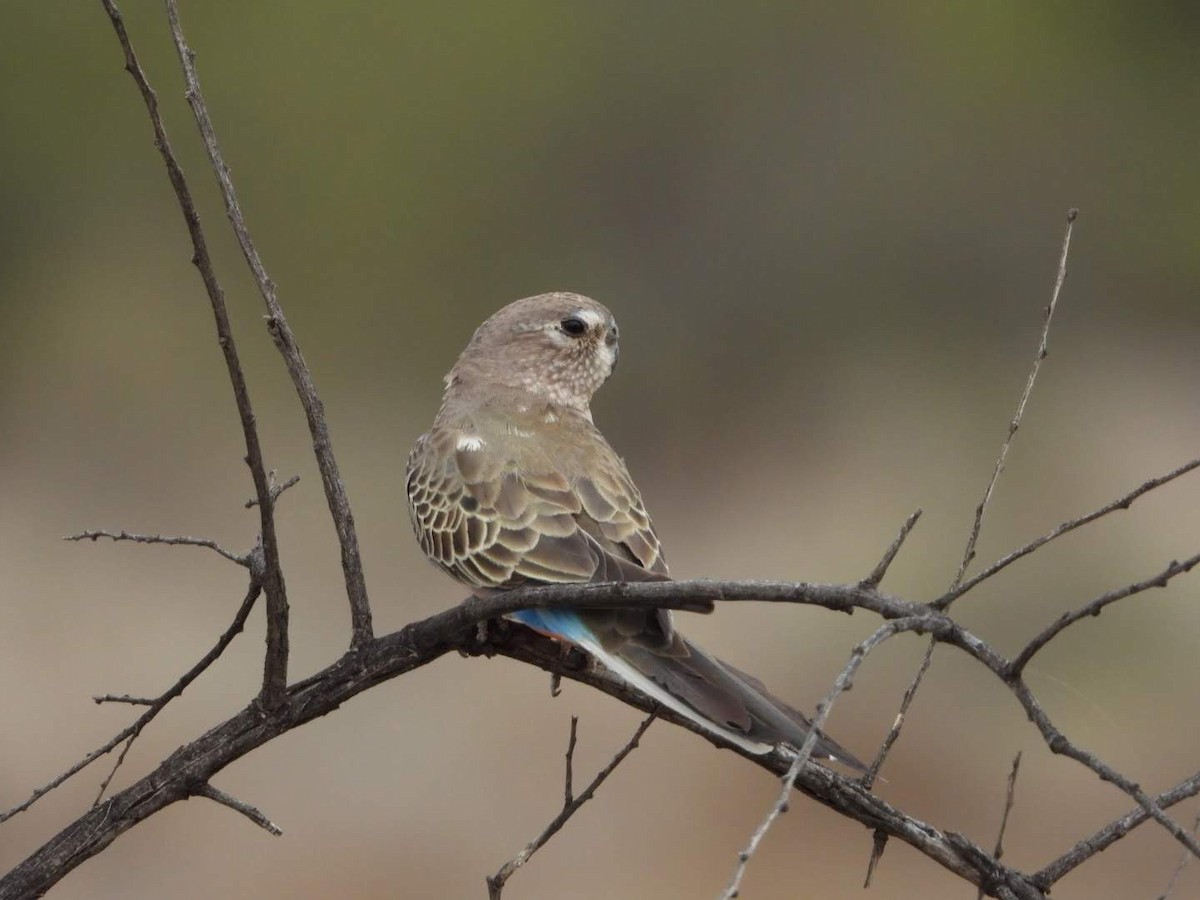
(716, 696)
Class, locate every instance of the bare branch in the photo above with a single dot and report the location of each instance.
(778, 808)
(455, 629)
(281, 333)
(841, 683)
(276, 489)
(1008, 805)
(1058, 743)
(571, 805)
(1113, 832)
(275, 677)
(969, 553)
(568, 768)
(916, 617)
(130, 734)
(1120, 503)
(1183, 861)
(868, 780)
(1095, 606)
(124, 698)
(158, 539)
(250, 812)
(116, 766)
(877, 574)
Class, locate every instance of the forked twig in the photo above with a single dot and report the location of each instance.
(1113, 832)
(977, 525)
(981, 509)
(804, 753)
(1094, 608)
(130, 733)
(314, 410)
(276, 489)
(868, 780)
(1121, 503)
(571, 805)
(275, 675)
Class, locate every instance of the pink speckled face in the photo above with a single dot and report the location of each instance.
(559, 346)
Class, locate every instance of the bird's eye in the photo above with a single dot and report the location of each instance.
(573, 325)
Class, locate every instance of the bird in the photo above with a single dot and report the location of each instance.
(514, 485)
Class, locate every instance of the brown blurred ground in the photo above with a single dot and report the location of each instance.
(828, 236)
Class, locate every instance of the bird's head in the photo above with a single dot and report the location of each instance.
(560, 347)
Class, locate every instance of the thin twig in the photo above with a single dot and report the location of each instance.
(1121, 503)
(868, 780)
(1008, 805)
(124, 698)
(981, 509)
(1094, 607)
(130, 733)
(285, 340)
(276, 489)
(913, 616)
(840, 684)
(454, 630)
(275, 677)
(976, 526)
(877, 574)
(778, 808)
(568, 790)
(252, 813)
(1113, 832)
(172, 540)
(495, 884)
(1183, 861)
(1060, 744)
(120, 761)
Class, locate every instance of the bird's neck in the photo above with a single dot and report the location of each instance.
(510, 391)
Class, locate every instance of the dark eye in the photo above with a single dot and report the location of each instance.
(573, 325)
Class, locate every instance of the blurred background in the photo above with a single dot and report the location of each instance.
(828, 234)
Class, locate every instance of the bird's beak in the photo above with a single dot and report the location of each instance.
(610, 341)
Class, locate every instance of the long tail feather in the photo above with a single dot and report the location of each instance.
(697, 680)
